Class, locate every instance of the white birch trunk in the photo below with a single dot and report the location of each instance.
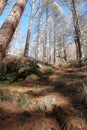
(26, 51)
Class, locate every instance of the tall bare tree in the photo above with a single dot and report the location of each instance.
(26, 50)
(32, 15)
(8, 28)
(2, 5)
(45, 41)
(77, 30)
(38, 33)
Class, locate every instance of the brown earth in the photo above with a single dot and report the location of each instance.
(60, 97)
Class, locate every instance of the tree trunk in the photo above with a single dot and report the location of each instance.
(38, 34)
(8, 28)
(26, 51)
(54, 55)
(77, 30)
(50, 45)
(2, 5)
(45, 41)
(63, 47)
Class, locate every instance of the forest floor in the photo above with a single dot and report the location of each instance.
(55, 101)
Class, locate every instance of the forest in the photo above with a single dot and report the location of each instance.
(43, 64)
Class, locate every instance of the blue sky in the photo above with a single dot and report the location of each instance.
(25, 20)
(25, 17)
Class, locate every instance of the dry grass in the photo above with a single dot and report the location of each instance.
(60, 65)
(47, 71)
(73, 64)
(53, 78)
(32, 77)
(74, 123)
(56, 90)
(75, 86)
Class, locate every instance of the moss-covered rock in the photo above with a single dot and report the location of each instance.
(14, 68)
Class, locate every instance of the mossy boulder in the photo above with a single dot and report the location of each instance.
(14, 68)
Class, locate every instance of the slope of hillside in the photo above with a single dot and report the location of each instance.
(37, 96)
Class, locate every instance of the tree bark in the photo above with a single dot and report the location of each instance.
(27, 44)
(2, 5)
(54, 55)
(8, 28)
(77, 30)
(38, 34)
(45, 40)
(63, 47)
